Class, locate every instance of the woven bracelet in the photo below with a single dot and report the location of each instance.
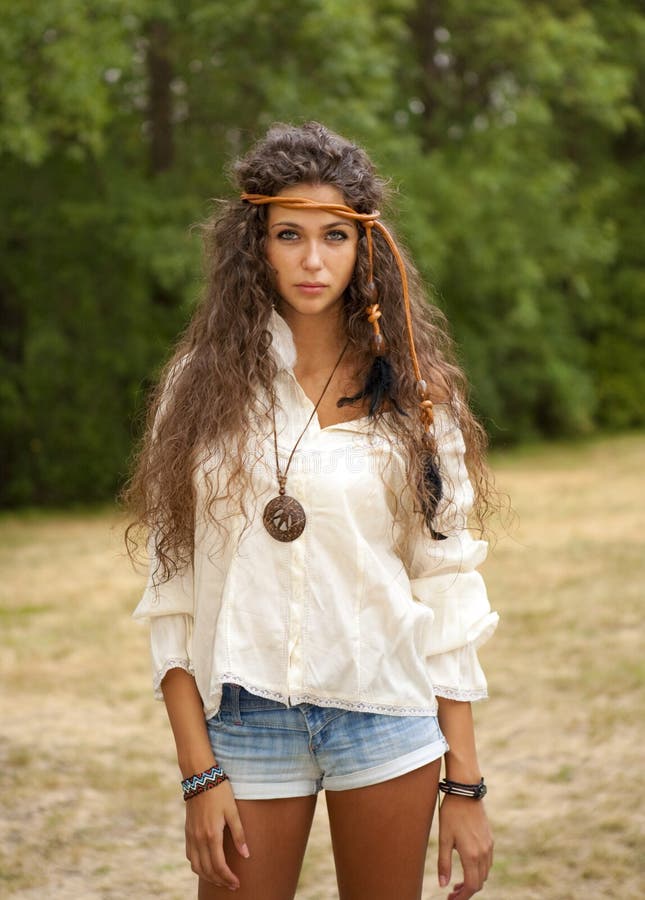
(197, 784)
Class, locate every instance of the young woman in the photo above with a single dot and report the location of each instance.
(314, 603)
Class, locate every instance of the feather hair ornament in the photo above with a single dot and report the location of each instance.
(379, 386)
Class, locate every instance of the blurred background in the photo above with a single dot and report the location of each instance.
(513, 133)
(514, 136)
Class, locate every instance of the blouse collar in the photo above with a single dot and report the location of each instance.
(283, 345)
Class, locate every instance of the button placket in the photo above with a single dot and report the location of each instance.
(297, 599)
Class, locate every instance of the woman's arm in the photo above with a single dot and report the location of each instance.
(208, 813)
(463, 825)
(456, 721)
(444, 575)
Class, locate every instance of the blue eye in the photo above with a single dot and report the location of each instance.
(288, 234)
(337, 235)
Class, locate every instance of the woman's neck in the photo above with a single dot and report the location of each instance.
(319, 341)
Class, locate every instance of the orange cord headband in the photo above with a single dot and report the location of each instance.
(368, 221)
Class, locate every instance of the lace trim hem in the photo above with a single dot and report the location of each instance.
(336, 702)
(184, 664)
(464, 694)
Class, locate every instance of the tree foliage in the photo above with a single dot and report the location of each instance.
(513, 132)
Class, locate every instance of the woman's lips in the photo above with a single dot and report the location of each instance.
(311, 287)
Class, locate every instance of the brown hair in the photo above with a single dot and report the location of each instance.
(208, 389)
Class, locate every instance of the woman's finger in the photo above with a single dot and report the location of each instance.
(444, 860)
(485, 867)
(200, 863)
(465, 889)
(237, 831)
(473, 881)
(220, 867)
(486, 862)
(208, 861)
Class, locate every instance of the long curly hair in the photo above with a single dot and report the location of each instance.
(207, 393)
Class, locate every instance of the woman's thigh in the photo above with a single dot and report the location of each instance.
(276, 833)
(380, 835)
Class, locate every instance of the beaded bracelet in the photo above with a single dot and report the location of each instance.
(474, 791)
(197, 784)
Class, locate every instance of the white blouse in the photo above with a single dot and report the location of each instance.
(363, 611)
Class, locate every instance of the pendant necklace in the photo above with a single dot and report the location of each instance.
(283, 517)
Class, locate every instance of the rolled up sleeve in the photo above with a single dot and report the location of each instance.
(169, 609)
(444, 576)
(170, 641)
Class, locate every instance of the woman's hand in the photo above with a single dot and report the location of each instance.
(207, 815)
(463, 826)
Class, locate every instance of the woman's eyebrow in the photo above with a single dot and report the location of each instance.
(345, 222)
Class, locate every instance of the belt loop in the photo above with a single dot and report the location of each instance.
(235, 704)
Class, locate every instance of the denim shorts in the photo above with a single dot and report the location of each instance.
(269, 750)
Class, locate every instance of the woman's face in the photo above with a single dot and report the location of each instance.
(312, 252)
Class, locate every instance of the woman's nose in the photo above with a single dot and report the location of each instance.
(312, 259)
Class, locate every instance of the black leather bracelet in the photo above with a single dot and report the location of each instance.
(474, 791)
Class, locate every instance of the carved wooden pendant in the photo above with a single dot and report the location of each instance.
(284, 518)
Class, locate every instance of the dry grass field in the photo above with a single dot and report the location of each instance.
(90, 797)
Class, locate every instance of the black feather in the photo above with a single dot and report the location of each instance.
(379, 385)
(433, 483)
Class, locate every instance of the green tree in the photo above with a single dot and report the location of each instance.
(514, 131)
(517, 109)
(115, 124)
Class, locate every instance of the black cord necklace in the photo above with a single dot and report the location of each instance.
(283, 517)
